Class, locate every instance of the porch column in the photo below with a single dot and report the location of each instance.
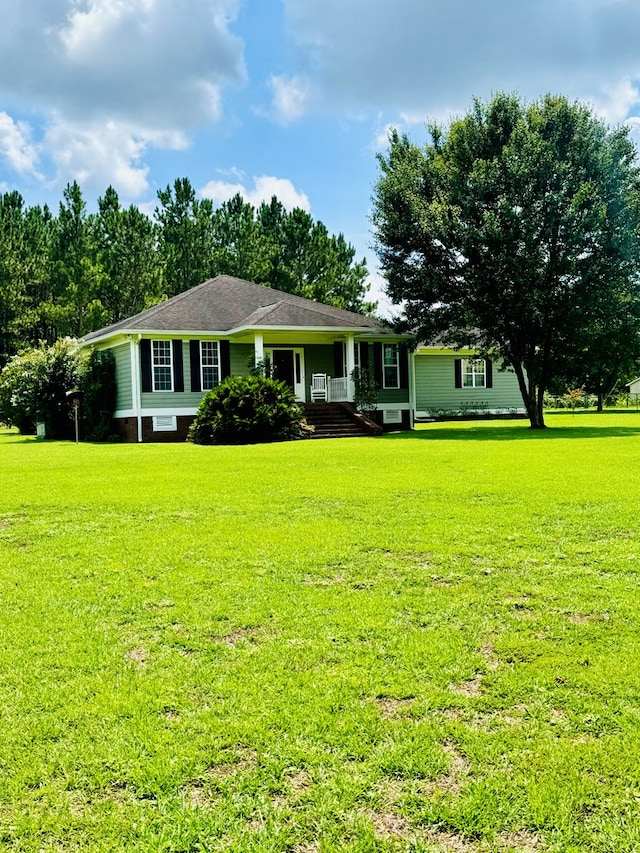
(135, 382)
(350, 366)
(258, 345)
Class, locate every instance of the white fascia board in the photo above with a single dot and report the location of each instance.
(423, 349)
(160, 334)
(157, 334)
(344, 330)
(154, 413)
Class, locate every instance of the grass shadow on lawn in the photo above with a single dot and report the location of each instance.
(521, 432)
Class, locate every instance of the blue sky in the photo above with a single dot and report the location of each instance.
(292, 97)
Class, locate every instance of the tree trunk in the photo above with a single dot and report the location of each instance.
(532, 397)
(600, 402)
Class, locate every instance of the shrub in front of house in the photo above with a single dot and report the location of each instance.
(248, 410)
(34, 386)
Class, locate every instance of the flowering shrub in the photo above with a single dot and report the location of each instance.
(34, 385)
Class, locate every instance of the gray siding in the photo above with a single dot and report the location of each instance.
(436, 391)
(393, 395)
(122, 355)
(318, 358)
(240, 355)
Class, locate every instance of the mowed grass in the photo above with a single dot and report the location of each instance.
(423, 642)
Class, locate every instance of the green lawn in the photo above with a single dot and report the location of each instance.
(422, 642)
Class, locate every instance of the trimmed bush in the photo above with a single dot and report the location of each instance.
(248, 410)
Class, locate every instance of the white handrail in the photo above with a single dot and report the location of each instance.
(339, 389)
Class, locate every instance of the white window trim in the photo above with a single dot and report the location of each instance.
(397, 366)
(154, 365)
(475, 374)
(202, 365)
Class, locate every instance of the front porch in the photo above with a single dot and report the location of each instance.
(319, 368)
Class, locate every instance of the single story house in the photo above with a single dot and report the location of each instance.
(454, 383)
(168, 356)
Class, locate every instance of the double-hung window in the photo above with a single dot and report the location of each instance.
(390, 366)
(474, 373)
(162, 371)
(209, 364)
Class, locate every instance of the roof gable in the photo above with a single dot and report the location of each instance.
(226, 303)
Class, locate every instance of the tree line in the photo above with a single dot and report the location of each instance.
(74, 272)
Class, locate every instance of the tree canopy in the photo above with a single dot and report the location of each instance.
(516, 232)
(71, 273)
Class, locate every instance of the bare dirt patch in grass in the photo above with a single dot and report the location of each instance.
(333, 580)
(507, 842)
(299, 781)
(138, 656)
(198, 797)
(586, 618)
(458, 770)
(488, 652)
(160, 605)
(201, 792)
(388, 824)
(470, 689)
(449, 842)
(233, 638)
(519, 842)
(390, 706)
(244, 759)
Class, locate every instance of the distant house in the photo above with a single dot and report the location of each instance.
(168, 356)
(634, 388)
(454, 383)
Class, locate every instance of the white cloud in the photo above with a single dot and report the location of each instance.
(264, 188)
(430, 57)
(290, 97)
(377, 293)
(615, 104)
(100, 154)
(634, 125)
(16, 146)
(158, 63)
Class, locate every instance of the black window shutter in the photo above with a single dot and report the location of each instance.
(225, 359)
(488, 373)
(458, 372)
(377, 363)
(403, 356)
(364, 356)
(178, 372)
(145, 365)
(194, 365)
(338, 358)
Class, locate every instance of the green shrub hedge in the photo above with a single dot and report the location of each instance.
(248, 410)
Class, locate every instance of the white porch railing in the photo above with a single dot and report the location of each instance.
(340, 389)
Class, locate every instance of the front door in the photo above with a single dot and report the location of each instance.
(288, 366)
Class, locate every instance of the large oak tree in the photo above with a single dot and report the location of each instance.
(516, 232)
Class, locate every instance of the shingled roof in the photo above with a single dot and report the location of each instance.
(225, 304)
